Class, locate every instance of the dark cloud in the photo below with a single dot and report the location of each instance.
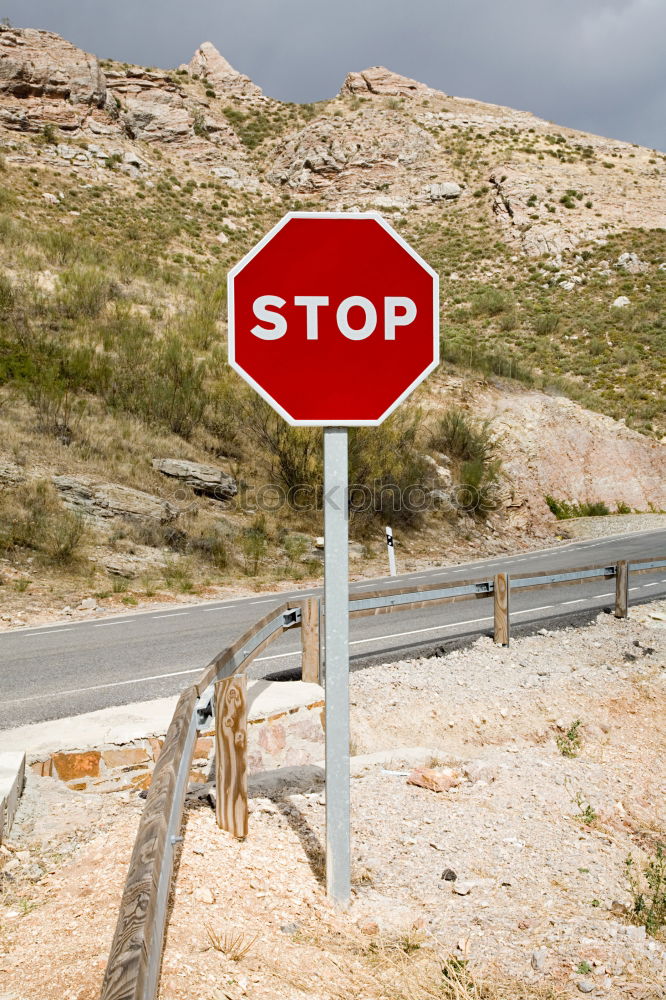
(597, 65)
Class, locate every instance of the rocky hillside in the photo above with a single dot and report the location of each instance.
(127, 192)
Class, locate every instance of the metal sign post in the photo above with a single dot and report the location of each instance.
(391, 550)
(336, 607)
(305, 329)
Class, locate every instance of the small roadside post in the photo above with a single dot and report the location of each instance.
(330, 345)
(390, 545)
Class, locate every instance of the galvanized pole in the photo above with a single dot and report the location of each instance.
(336, 600)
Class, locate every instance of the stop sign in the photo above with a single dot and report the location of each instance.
(333, 319)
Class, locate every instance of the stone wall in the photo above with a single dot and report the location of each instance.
(292, 736)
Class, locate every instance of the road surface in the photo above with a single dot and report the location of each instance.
(56, 671)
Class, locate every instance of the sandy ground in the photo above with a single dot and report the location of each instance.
(533, 844)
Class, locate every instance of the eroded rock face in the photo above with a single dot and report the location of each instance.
(381, 81)
(40, 64)
(151, 106)
(210, 64)
(552, 445)
(208, 480)
(101, 501)
(327, 148)
(546, 209)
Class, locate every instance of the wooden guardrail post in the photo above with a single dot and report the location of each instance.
(501, 593)
(231, 755)
(622, 589)
(310, 670)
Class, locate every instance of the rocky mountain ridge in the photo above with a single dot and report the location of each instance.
(126, 193)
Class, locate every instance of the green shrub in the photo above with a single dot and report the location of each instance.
(475, 462)
(462, 438)
(564, 510)
(569, 743)
(84, 292)
(546, 324)
(387, 462)
(648, 890)
(293, 455)
(211, 546)
(254, 544)
(33, 518)
(489, 302)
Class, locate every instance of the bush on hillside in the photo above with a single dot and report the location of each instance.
(32, 517)
(564, 510)
(473, 451)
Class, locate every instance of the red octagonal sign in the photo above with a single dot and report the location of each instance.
(333, 319)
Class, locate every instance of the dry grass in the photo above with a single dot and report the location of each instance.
(406, 968)
(233, 943)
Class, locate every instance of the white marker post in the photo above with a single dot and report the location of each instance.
(391, 550)
(336, 611)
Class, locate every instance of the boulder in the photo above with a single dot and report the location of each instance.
(210, 64)
(40, 64)
(101, 501)
(208, 480)
(632, 263)
(381, 81)
(447, 191)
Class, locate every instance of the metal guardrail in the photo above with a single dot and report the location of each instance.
(133, 969)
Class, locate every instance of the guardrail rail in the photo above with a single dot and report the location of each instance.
(133, 968)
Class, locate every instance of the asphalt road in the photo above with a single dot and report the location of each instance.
(64, 670)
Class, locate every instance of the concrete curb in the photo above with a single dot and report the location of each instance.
(116, 749)
(12, 780)
(144, 720)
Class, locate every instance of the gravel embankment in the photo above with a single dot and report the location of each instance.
(519, 866)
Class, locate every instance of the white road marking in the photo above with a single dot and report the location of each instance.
(580, 600)
(418, 631)
(174, 614)
(51, 631)
(101, 687)
(109, 624)
(527, 611)
(278, 656)
(651, 584)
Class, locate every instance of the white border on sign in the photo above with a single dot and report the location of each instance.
(231, 337)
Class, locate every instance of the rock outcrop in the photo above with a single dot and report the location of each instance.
(102, 501)
(207, 480)
(552, 445)
(334, 148)
(211, 65)
(382, 82)
(39, 64)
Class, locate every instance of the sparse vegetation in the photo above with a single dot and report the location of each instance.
(563, 509)
(32, 517)
(233, 943)
(569, 743)
(648, 890)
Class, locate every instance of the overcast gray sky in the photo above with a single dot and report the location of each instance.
(597, 65)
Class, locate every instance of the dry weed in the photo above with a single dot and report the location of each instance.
(233, 943)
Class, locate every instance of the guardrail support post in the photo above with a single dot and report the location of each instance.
(501, 594)
(622, 589)
(310, 669)
(231, 755)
